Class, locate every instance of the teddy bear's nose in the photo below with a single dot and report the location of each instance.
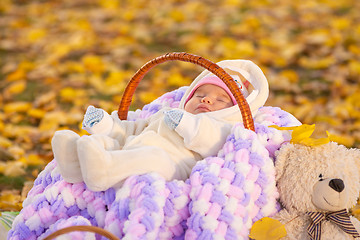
(337, 184)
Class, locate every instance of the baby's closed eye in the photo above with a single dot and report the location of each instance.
(222, 99)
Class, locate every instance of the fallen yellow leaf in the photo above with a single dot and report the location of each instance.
(69, 94)
(109, 4)
(147, 96)
(4, 142)
(57, 50)
(177, 15)
(93, 63)
(76, 67)
(116, 81)
(342, 139)
(17, 107)
(320, 63)
(200, 43)
(176, 79)
(36, 34)
(267, 229)
(340, 23)
(302, 135)
(291, 75)
(302, 132)
(11, 131)
(16, 75)
(31, 160)
(2, 126)
(10, 201)
(36, 113)
(282, 128)
(15, 88)
(2, 167)
(314, 141)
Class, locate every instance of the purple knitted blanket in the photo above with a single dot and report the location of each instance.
(222, 198)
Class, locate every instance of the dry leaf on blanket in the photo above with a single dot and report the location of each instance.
(302, 135)
(267, 229)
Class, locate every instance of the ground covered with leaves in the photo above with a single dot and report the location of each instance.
(57, 57)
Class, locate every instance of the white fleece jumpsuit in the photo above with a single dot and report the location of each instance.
(118, 149)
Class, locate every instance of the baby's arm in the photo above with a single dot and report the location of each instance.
(98, 121)
(201, 133)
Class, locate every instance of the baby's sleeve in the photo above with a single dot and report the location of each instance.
(203, 134)
(112, 126)
(124, 128)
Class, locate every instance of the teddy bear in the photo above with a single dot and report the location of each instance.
(317, 185)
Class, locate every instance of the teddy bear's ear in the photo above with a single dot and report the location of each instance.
(281, 159)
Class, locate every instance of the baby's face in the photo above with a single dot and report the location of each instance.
(208, 98)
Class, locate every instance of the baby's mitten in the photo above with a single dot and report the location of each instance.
(173, 117)
(92, 116)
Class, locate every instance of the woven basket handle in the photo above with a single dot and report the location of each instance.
(186, 57)
(84, 228)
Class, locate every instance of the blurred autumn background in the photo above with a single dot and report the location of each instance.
(59, 56)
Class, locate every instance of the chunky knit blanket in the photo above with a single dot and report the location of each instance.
(222, 198)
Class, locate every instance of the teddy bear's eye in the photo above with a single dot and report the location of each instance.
(321, 177)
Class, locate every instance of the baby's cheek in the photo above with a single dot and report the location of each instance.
(225, 105)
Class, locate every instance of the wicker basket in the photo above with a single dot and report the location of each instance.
(186, 57)
(126, 101)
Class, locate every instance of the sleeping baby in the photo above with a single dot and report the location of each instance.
(169, 142)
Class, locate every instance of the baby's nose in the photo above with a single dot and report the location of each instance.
(206, 100)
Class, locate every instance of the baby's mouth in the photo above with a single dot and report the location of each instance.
(203, 108)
